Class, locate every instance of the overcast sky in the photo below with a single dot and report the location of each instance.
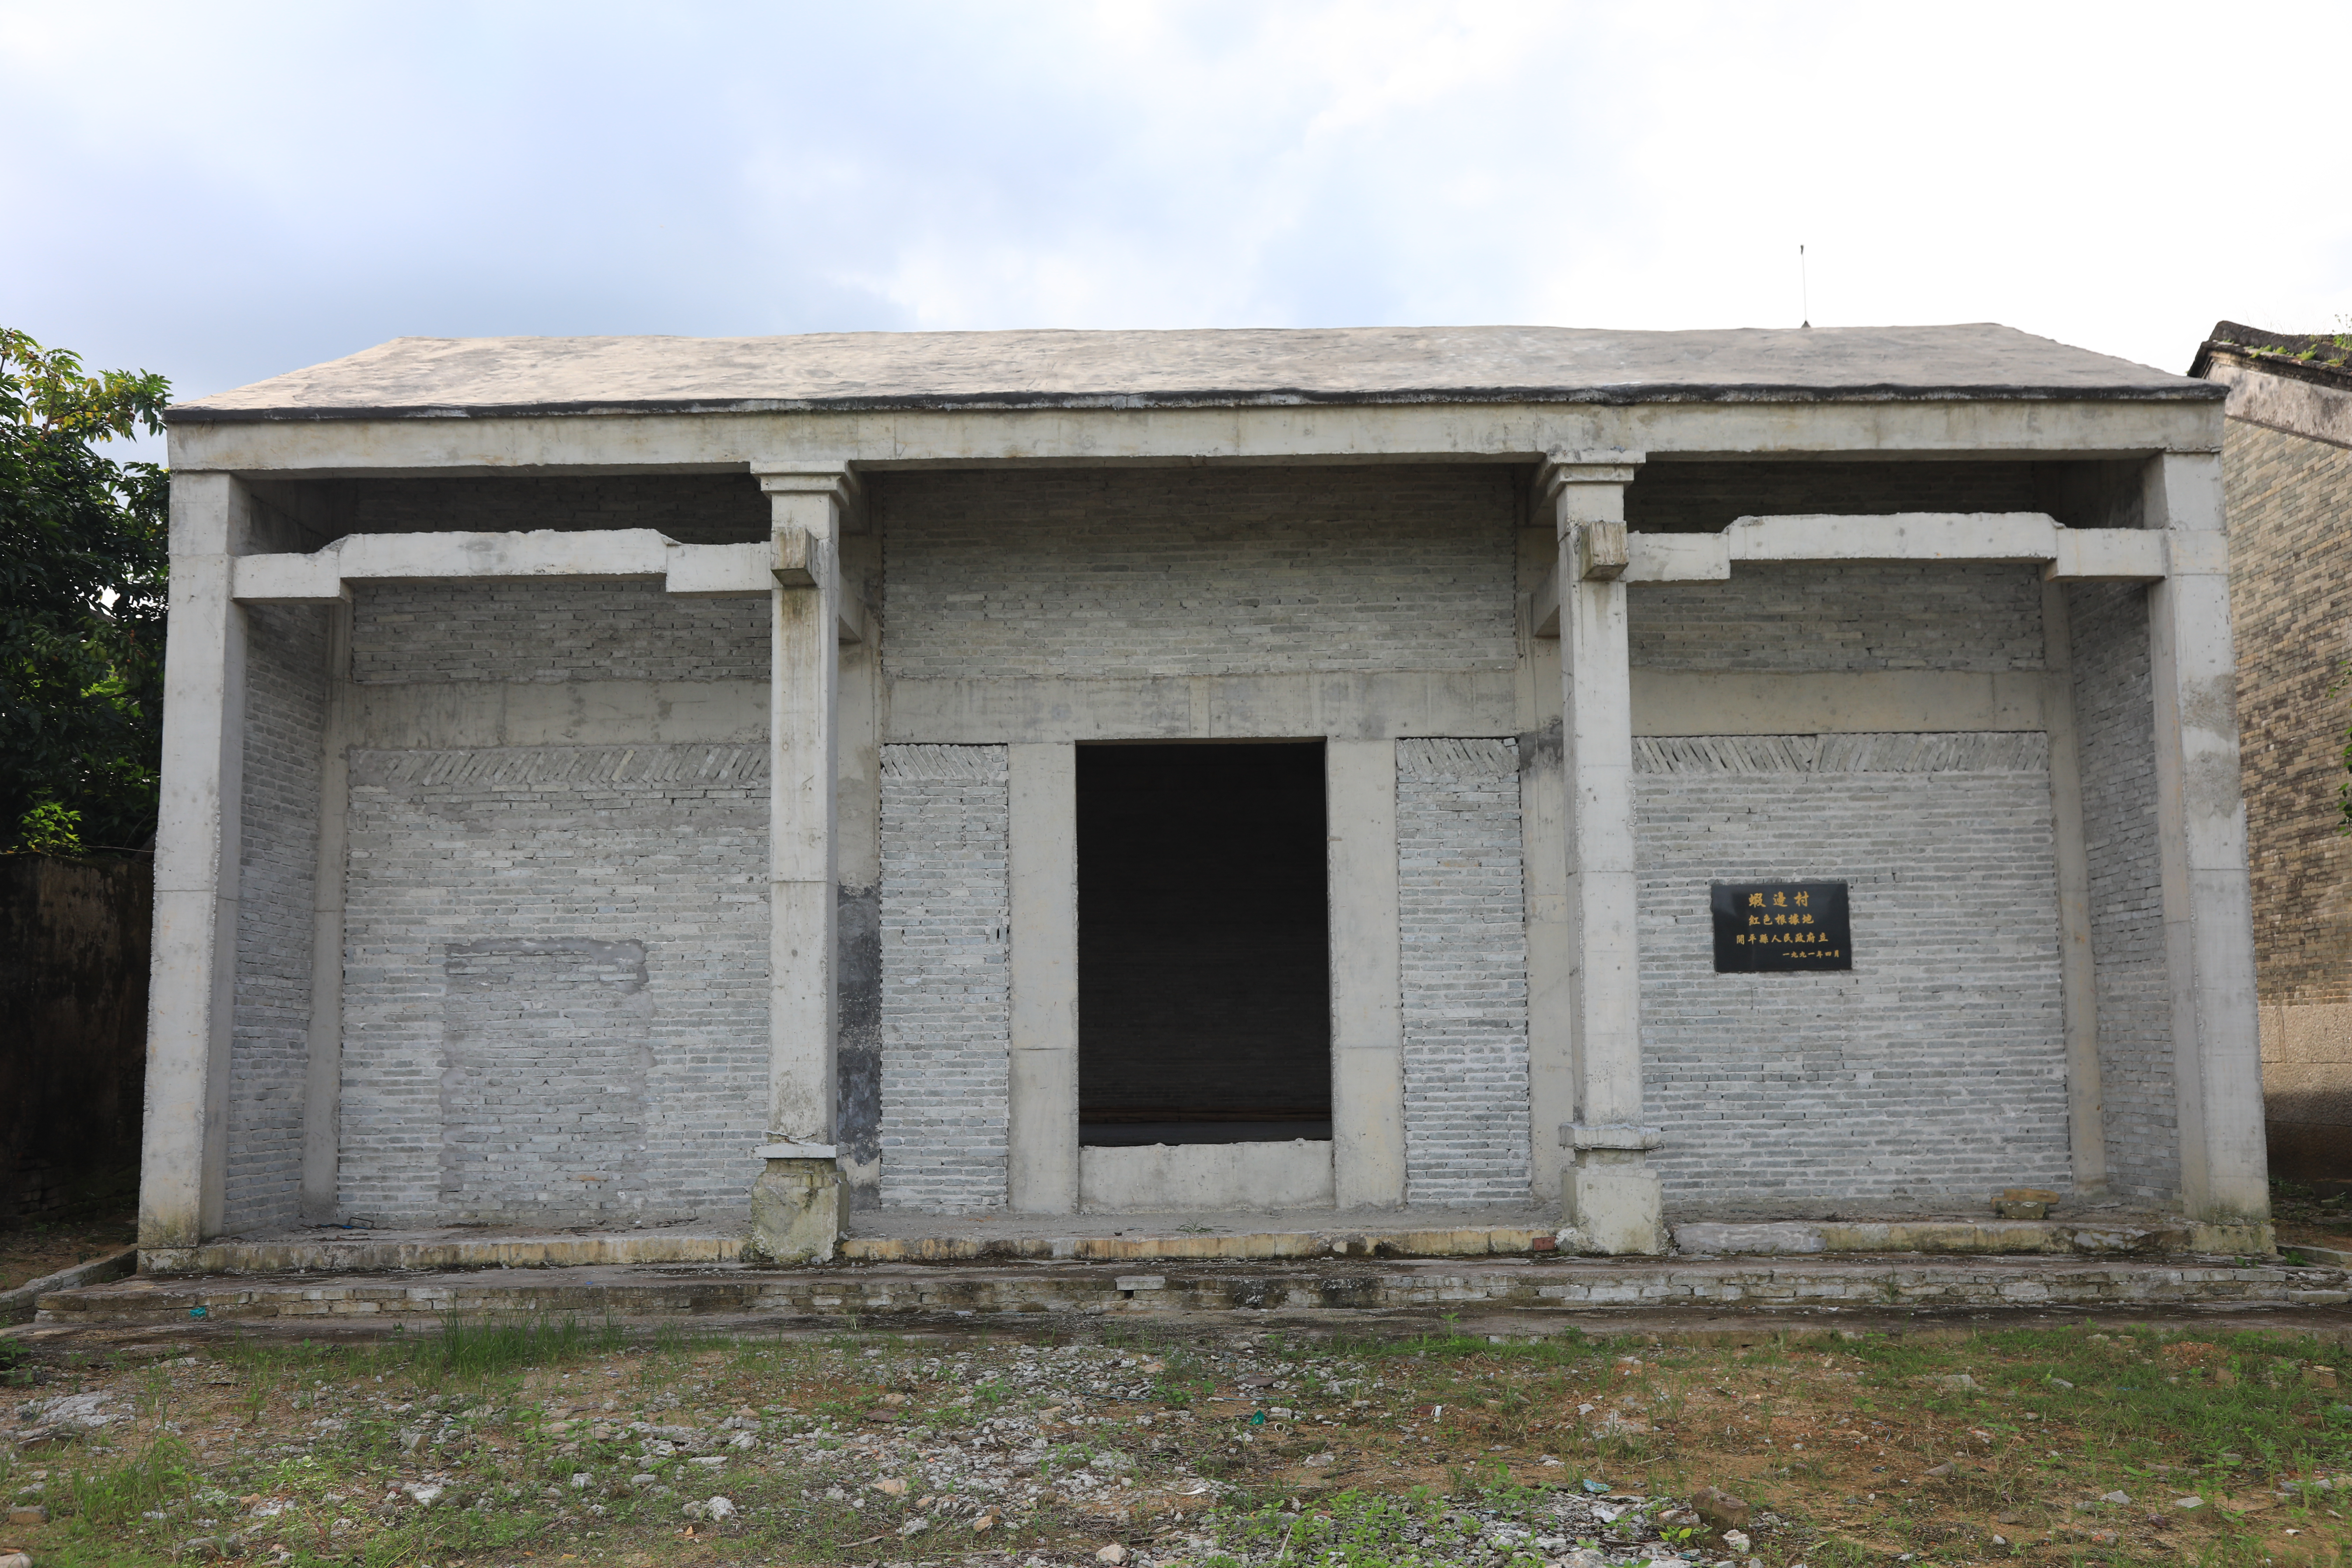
(225, 191)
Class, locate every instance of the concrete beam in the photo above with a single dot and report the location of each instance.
(192, 972)
(2065, 554)
(2201, 836)
(690, 571)
(1499, 432)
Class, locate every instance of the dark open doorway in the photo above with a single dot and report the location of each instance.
(1204, 1010)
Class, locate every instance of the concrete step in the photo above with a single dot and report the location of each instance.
(1544, 1288)
(1159, 1240)
(371, 1251)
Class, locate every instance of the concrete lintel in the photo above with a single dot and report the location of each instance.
(2107, 556)
(2065, 554)
(1677, 558)
(324, 576)
(796, 1152)
(720, 570)
(2021, 536)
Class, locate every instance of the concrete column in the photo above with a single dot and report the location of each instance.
(193, 974)
(323, 1078)
(1609, 1195)
(2201, 830)
(857, 861)
(1543, 817)
(2078, 976)
(797, 1204)
(1367, 978)
(1042, 849)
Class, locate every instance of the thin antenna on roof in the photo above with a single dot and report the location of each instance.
(1804, 288)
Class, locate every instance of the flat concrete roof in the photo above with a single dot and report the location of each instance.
(411, 378)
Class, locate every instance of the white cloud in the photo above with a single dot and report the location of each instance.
(230, 193)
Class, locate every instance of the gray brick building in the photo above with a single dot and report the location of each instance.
(1038, 773)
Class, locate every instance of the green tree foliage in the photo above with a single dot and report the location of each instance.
(83, 549)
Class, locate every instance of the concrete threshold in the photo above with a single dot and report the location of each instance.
(899, 1237)
(1546, 1295)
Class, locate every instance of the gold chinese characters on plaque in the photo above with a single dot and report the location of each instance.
(1780, 928)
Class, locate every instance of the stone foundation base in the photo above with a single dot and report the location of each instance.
(799, 1205)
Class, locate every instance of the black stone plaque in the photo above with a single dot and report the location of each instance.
(1780, 927)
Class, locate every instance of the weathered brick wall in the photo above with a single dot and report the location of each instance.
(1865, 616)
(2115, 719)
(270, 1049)
(1936, 1066)
(2290, 598)
(1463, 948)
(2290, 501)
(630, 630)
(1197, 571)
(946, 975)
(506, 1056)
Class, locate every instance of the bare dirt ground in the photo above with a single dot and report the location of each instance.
(36, 1251)
(556, 1442)
(2313, 1215)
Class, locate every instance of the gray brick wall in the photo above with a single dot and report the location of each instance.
(270, 1049)
(946, 976)
(628, 630)
(508, 1057)
(2115, 716)
(1867, 616)
(1197, 571)
(1461, 930)
(1937, 1065)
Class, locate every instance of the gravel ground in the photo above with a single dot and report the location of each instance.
(513, 1446)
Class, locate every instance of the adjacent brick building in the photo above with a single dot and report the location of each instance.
(635, 783)
(2287, 463)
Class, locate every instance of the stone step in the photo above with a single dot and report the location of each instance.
(1552, 1288)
